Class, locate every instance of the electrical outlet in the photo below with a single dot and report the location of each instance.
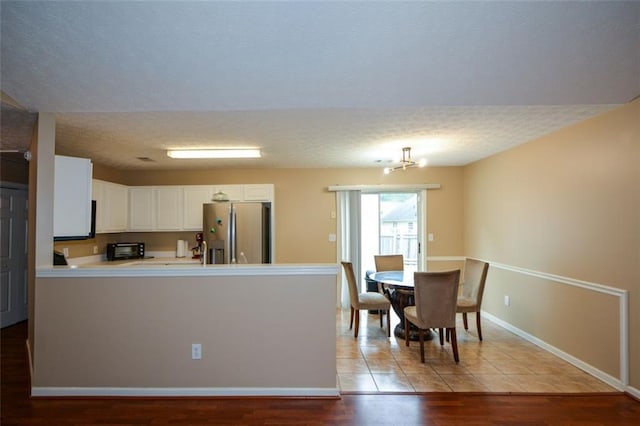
(65, 251)
(196, 351)
(507, 300)
(95, 249)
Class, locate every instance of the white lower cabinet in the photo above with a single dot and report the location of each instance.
(111, 206)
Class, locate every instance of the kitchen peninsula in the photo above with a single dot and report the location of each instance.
(130, 329)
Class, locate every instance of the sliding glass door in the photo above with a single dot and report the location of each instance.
(392, 223)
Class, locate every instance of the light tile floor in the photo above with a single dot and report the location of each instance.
(502, 362)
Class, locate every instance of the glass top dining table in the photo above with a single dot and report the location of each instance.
(398, 287)
(394, 279)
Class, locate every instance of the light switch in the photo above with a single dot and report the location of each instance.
(332, 238)
(430, 236)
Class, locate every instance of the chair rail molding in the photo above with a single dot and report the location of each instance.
(622, 381)
(623, 306)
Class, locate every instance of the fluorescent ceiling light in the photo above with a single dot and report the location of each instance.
(214, 153)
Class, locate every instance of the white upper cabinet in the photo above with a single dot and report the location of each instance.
(194, 197)
(72, 197)
(111, 206)
(97, 193)
(234, 192)
(117, 197)
(178, 208)
(168, 208)
(262, 192)
(141, 209)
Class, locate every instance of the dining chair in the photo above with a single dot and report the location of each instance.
(389, 262)
(470, 298)
(369, 300)
(436, 295)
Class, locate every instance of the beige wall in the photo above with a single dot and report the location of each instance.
(119, 333)
(302, 206)
(567, 204)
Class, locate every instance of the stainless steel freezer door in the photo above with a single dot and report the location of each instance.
(216, 229)
(248, 232)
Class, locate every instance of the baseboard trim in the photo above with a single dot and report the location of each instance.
(183, 392)
(607, 378)
(633, 392)
(623, 306)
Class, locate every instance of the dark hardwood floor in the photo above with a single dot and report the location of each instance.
(428, 409)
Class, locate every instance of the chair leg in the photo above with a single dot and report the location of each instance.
(406, 331)
(441, 337)
(357, 322)
(380, 313)
(389, 323)
(478, 325)
(351, 322)
(454, 344)
(464, 320)
(421, 338)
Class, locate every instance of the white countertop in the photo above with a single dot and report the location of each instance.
(171, 266)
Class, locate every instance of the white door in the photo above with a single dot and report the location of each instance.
(13, 256)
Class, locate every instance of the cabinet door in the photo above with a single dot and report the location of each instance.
(194, 197)
(263, 192)
(98, 194)
(168, 205)
(141, 209)
(235, 192)
(72, 197)
(116, 200)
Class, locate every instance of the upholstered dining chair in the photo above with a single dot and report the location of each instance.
(389, 262)
(436, 294)
(470, 298)
(369, 300)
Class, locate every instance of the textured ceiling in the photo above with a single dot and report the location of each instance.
(315, 84)
(16, 127)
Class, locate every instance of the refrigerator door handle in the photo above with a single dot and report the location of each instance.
(232, 235)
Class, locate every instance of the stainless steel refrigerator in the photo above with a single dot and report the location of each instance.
(237, 232)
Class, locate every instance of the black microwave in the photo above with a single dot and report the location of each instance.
(122, 251)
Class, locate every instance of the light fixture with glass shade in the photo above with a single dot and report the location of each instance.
(214, 153)
(220, 196)
(406, 162)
